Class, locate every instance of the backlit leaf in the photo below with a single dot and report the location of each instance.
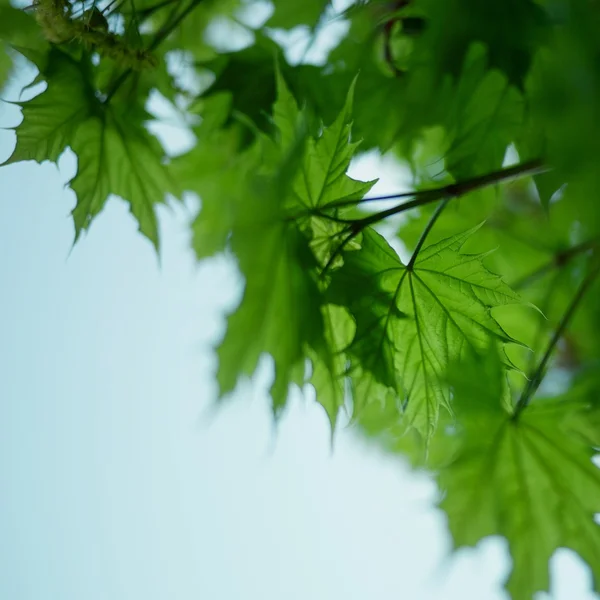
(529, 479)
(412, 323)
(115, 154)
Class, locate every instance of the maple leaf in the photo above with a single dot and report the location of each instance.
(508, 29)
(255, 213)
(115, 154)
(280, 312)
(244, 209)
(373, 349)
(483, 118)
(329, 360)
(411, 322)
(19, 32)
(51, 119)
(118, 156)
(322, 179)
(530, 479)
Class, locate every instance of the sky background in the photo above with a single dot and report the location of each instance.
(118, 481)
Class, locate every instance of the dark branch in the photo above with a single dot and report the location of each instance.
(160, 36)
(423, 197)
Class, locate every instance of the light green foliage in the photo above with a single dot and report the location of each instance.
(268, 207)
(280, 310)
(116, 156)
(18, 30)
(483, 118)
(439, 358)
(529, 479)
(412, 322)
(115, 153)
(323, 180)
(51, 120)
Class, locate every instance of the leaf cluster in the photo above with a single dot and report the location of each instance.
(465, 339)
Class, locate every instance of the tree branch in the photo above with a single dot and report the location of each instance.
(160, 36)
(423, 197)
(561, 259)
(538, 375)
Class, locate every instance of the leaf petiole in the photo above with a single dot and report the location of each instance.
(538, 374)
(425, 233)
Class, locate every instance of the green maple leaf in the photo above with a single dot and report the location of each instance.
(265, 211)
(118, 156)
(329, 360)
(19, 31)
(510, 30)
(51, 119)
(530, 479)
(484, 117)
(250, 78)
(412, 322)
(281, 309)
(323, 179)
(373, 349)
(115, 154)
(280, 312)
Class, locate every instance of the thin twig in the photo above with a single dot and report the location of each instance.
(536, 377)
(106, 11)
(561, 259)
(168, 28)
(426, 231)
(337, 251)
(532, 167)
(160, 36)
(346, 203)
(423, 197)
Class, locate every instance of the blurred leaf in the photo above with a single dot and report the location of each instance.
(529, 479)
(254, 211)
(20, 31)
(288, 15)
(483, 120)
(509, 30)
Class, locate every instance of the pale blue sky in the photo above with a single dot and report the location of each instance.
(114, 482)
